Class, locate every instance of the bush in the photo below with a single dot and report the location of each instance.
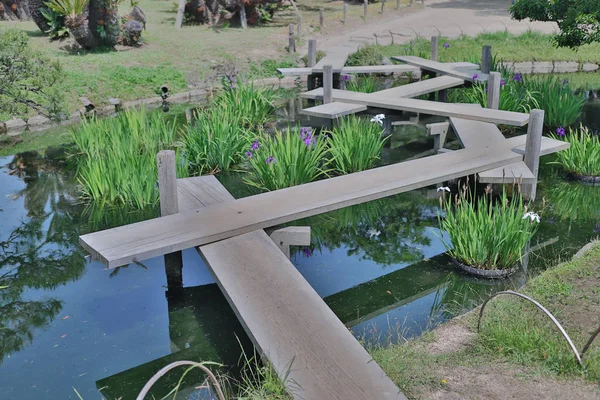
(485, 234)
(28, 81)
(286, 159)
(367, 84)
(583, 156)
(366, 55)
(117, 157)
(355, 145)
(253, 106)
(216, 141)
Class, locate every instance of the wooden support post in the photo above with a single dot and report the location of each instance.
(486, 59)
(291, 236)
(321, 19)
(180, 11)
(493, 90)
(299, 26)
(292, 110)
(397, 4)
(366, 9)
(434, 48)
(533, 144)
(292, 40)
(327, 84)
(312, 61)
(243, 20)
(443, 96)
(382, 6)
(439, 131)
(345, 13)
(167, 187)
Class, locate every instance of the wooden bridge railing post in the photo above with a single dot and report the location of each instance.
(292, 40)
(311, 62)
(365, 9)
(533, 144)
(486, 59)
(167, 187)
(397, 4)
(434, 48)
(345, 13)
(493, 90)
(321, 19)
(382, 6)
(299, 26)
(327, 84)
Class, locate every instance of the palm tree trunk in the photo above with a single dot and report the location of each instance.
(80, 29)
(37, 16)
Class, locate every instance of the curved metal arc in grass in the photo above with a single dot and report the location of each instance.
(545, 310)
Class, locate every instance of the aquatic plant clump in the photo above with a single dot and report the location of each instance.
(355, 144)
(582, 158)
(252, 105)
(216, 141)
(368, 84)
(116, 157)
(486, 234)
(285, 159)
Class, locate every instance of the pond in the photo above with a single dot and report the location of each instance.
(68, 323)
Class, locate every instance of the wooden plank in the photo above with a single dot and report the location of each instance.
(463, 65)
(476, 133)
(549, 145)
(441, 68)
(419, 88)
(294, 71)
(336, 60)
(374, 69)
(465, 111)
(163, 235)
(333, 110)
(289, 323)
(508, 174)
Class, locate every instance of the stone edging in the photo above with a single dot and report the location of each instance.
(16, 126)
(549, 67)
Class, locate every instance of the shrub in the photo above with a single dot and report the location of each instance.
(117, 157)
(286, 159)
(367, 84)
(355, 145)
(583, 156)
(486, 234)
(254, 106)
(561, 104)
(28, 81)
(216, 141)
(366, 55)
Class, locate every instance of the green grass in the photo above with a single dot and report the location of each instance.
(484, 233)
(216, 141)
(287, 158)
(366, 84)
(355, 145)
(583, 156)
(33, 141)
(529, 46)
(253, 105)
(116, 157)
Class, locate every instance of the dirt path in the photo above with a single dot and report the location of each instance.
(439, 17)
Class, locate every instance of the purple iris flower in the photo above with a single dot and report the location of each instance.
(446, 45)
(255, 145)
(565, 82)
(517, 78)
(475, 77)
(307, 251)
(270, 160)
(502, 82)
(560, 131)
(249, 154)
(345, 78)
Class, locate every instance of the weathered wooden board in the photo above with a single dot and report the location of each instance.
(367, 69)
(171, 233)
(294, 71)
(336, 60)
(289, 323)
(516, 172)
(475, 133)
(462, 65)
(441, 68)
(334, 110)
(421, 87)
(549, 145)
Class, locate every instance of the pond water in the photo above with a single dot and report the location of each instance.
(67, 323)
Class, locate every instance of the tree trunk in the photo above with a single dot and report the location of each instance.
(80, 29)
(37, 16)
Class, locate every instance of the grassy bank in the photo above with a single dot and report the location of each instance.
(517, 347)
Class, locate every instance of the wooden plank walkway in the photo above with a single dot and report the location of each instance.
(518, 171)
(464, 111)
(333, 110)
(374, 69)
(441, 68)
(171, 233)
(289, 323)
(549, 145)
(476, 133)
(419, 88)
(336, 60)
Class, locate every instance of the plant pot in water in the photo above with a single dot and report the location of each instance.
(485, 273)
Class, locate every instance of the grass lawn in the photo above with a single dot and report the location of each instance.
(517, 348)
(529, 46)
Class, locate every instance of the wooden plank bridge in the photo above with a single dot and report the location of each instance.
(289, 323)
